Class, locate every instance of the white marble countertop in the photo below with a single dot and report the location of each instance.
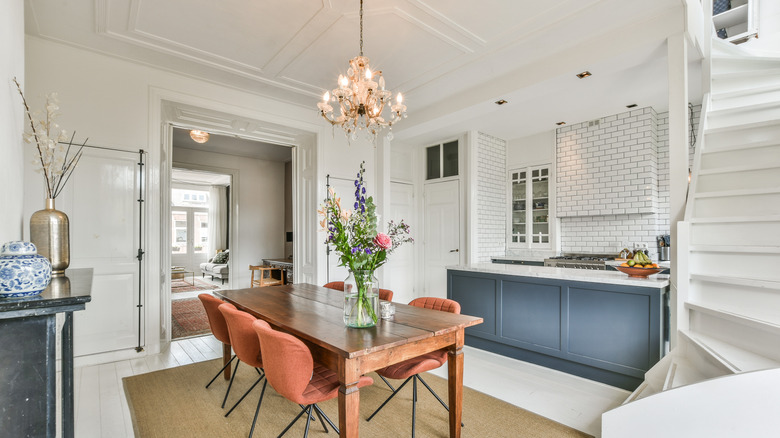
(519, 258)
(657, 281)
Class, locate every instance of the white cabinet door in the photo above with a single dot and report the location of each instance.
(101, 202)
(442, 234)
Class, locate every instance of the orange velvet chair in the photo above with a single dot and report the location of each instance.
(247, 347)
(384, 294)
(220, 331)
(411, 368)
(292, 372)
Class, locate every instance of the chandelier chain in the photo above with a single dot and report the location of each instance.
(361, 27)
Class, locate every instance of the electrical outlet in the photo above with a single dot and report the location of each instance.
(640, 245)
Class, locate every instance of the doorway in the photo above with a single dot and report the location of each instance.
(199, 229)
(442, 234)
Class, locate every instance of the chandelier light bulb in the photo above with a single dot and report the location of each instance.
(368, 73)
(399, 98)
(343, 82)
(326, 97)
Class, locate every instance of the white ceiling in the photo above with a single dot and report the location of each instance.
(451, 58)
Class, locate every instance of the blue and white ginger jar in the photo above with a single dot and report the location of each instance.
(23, 273)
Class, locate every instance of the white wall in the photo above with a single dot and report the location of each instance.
(531, 150)
(260, 199)
(115, 103)
(11, 120)
(768, 28)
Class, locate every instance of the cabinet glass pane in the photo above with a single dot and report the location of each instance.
(433, 164)
(450, 158)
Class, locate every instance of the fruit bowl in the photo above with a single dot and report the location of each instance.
(638, 272)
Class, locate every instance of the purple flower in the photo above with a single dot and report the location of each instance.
(364, 190)
(368, 251)
(362, 199)
(355, 250)
(356, 182)
(356, 206)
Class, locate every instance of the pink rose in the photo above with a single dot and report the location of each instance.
(383, 241)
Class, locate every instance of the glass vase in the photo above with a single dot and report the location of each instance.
(361, 299)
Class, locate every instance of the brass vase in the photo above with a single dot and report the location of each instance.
(50, 232)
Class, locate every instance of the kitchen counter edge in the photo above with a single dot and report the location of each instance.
(657, 281)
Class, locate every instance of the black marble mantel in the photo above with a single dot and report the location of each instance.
(28, 339)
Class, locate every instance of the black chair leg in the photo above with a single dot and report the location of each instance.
(292, 422)
(389, 398)
(308, 422)
(414, 402)
(436, 395)
(387, 383)
(319, 417)
(317, 408)
(244, 396)
(257, 410)
(224, 400)
(220, 371)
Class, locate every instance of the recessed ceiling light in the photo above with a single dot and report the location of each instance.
(560, 123)
(633, 105)
(584, 74)
(501, 102)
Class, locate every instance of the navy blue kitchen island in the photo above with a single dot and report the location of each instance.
(601, 325)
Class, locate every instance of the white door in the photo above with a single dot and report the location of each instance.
(189, 232)
(442, 234)
(101, 203)
(398, 274)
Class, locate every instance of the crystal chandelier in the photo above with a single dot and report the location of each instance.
(199, 136)
(361, 98)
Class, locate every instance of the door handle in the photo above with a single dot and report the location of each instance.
(453, 250)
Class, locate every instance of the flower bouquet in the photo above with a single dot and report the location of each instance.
(353, 233)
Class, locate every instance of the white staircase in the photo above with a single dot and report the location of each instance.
(731, 319)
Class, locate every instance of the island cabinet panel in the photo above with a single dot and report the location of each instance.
(484, 305)
(611, 333)
(536, 318)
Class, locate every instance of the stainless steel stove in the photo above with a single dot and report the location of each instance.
(580, 261)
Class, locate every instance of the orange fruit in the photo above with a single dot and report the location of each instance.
(625, 264)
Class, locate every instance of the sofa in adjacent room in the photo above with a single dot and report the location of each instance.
(217, 266)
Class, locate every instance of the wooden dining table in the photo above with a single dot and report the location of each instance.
(314, 314)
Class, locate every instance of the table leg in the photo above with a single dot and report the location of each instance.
(349, 400)
(455, 384)
(226, 355)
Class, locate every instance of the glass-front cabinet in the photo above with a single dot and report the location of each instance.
(530, 209)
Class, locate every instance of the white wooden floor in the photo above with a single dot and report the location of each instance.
(101, 409)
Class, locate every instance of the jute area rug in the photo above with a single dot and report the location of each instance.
(175, 403)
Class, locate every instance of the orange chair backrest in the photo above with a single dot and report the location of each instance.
(216, 320)
(338, 285)
(288, 364)
(442, 304)
(242, 335)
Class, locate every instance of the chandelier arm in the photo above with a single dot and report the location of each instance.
(361, 27)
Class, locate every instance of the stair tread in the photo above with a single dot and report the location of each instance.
(726, 279)
(734, 317)
(739, 359)
(741, 168)
(736, 248)
(748, 91)
(742, 126)
(739, 192)
(733, 219)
